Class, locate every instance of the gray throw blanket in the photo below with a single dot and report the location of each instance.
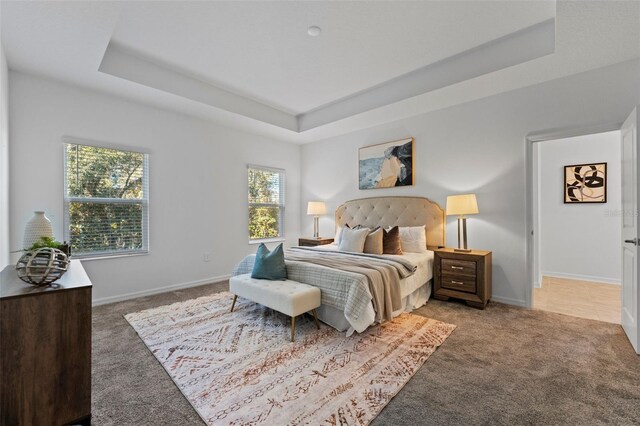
(383, 274)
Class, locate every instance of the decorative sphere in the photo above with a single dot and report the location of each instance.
(42, 266)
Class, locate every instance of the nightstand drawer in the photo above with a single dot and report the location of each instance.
(312, 242)
(459, 267)
(459, 283)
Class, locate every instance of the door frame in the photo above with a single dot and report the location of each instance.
(530, 203)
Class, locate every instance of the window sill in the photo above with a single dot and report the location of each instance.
(108, 256)
(268, 240)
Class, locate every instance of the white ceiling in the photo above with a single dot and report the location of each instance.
(260, 50)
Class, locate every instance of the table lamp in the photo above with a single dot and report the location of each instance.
(462, 205)
(316, 209)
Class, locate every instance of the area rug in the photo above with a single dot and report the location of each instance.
(240, 368)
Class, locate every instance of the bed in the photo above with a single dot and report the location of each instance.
(347, 296)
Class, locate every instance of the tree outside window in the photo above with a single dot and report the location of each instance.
(266, 202)
(106, 200)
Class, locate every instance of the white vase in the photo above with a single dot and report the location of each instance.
(38, 226)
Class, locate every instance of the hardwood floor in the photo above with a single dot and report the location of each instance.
(584, 299)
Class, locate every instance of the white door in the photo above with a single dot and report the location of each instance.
(630, 259)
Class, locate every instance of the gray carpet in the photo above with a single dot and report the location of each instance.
(501, 366)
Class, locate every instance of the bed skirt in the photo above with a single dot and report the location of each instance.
(336, 319)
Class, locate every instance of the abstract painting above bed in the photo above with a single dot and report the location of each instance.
(386, 165)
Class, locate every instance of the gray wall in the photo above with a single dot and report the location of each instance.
(198, 182)
(580, 241)
(476, 147)
(4, 160)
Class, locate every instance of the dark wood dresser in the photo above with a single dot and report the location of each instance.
(45, 350)
(462, 275)
(311, 242)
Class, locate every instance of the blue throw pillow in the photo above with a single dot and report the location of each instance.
(269, 265)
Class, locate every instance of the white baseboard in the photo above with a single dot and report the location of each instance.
(603, 280)
(508, 301)
(172, 287)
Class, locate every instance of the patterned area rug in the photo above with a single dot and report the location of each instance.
(240, 368)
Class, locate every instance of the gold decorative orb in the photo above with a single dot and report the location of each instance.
(42, 266)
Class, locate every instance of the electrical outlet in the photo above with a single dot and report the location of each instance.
(206, 256)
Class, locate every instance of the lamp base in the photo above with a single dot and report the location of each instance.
(462, 235)
(316, 228)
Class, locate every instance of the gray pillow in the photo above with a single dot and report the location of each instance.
(353, 239)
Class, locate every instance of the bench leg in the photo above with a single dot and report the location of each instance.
(315, 318)
(293, 328)
(234, 302)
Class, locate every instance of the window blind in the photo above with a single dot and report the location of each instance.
(106, 200)
(266, 202)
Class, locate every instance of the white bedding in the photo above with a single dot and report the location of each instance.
(414, 290)
(423, 261)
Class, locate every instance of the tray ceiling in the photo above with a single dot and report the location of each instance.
(252, 65)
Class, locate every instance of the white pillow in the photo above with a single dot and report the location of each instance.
(413, 239)
(336, 239)
(353, 239)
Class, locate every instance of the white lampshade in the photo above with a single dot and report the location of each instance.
(316, 208)
(462, 204)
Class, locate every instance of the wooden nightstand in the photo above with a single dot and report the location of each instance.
(311, 242)
(462, 275)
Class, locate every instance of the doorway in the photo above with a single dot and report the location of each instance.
(577, 210)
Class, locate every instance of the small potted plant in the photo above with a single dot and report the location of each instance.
(52, 243)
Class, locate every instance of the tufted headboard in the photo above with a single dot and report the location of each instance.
(392, 211)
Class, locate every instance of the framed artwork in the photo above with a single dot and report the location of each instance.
(585, 183)
(386, 165)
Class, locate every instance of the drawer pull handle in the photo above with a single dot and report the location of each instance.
(457, 267)
(457, 282)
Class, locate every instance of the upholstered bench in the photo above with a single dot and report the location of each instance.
(289, 297)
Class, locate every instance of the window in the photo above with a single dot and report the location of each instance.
(266, 203)
(106, 200)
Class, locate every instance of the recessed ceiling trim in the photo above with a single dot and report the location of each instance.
(123, 63)
(518, 47)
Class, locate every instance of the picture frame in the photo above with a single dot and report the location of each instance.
(386, 165)
(585, 183)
